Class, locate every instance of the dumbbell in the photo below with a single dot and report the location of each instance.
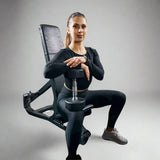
(75, 103)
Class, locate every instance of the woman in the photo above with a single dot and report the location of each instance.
(75, 55)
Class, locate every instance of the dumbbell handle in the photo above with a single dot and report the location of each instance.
(74, 89)
(75, 103)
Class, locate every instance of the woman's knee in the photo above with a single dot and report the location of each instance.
(77, 117)
(120, 97)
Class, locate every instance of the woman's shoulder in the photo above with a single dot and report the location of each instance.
(63, 51)
(91, 50)
(62, 54)
(66, 50)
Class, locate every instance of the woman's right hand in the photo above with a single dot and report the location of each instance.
(86, 69)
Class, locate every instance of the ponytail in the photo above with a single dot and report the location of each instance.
(67, 40)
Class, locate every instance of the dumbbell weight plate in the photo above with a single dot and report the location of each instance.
(75, 105)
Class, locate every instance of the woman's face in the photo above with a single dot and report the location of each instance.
(77, 29)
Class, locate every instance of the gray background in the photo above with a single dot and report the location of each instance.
(126, 35)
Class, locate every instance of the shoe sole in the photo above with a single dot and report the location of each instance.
(110, 139)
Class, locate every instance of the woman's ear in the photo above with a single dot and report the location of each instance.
(68, 30)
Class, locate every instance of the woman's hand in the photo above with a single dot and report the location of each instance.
(86, 69)
(74, 61)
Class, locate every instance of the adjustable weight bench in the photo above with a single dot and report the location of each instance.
(52, 43)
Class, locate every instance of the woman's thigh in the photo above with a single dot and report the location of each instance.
(100, 98)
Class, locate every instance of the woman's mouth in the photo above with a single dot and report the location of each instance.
(80, 36)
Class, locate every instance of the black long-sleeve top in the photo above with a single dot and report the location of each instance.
(57, 67)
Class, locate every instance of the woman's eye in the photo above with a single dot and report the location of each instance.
(84, 26)
(75, 26)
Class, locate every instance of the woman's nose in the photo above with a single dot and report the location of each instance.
(80, 30)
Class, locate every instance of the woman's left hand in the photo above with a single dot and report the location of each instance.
(74, 61)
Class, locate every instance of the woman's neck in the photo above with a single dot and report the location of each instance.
(77, 48)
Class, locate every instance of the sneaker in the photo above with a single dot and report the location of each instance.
(114, 136)
(76, 157)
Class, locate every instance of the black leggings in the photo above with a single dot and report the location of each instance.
(98, 98)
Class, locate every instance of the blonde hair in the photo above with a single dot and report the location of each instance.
(67, 39)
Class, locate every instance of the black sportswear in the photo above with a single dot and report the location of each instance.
(57, 67)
